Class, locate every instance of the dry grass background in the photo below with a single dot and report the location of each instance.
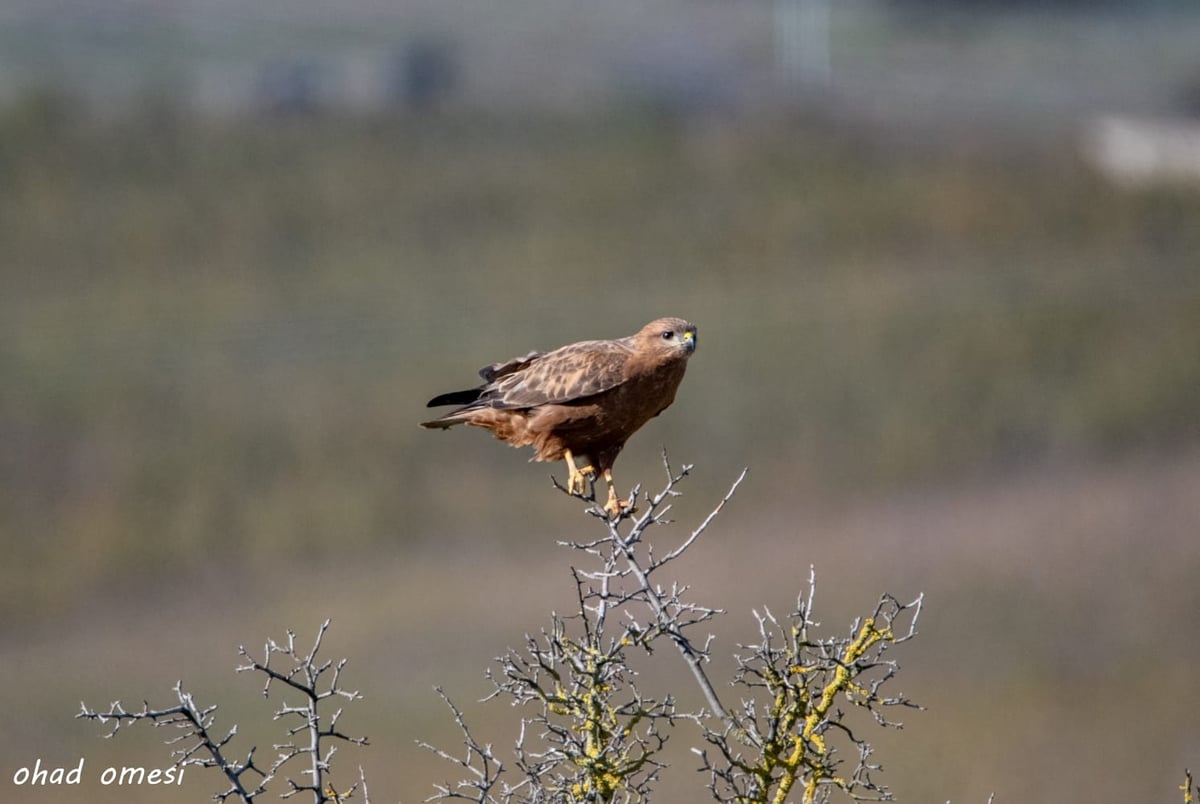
(969, 371)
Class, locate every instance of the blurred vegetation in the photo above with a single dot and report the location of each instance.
(216, 338)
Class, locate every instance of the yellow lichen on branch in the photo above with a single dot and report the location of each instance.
(804, 689)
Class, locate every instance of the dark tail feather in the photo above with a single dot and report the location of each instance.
(441, 424)
(455, 398)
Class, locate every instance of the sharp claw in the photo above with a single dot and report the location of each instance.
(578, 480)
(617, 508)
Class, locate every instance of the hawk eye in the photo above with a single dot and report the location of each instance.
(668, 335)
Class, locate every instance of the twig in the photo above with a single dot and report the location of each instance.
(304, 675)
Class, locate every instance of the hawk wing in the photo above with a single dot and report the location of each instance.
(497, 370)
(566, 374)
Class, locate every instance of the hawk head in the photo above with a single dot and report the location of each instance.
(669, 338)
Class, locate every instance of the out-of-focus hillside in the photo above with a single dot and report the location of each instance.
(220, 338)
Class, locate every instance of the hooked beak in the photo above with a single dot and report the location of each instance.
(689, 340)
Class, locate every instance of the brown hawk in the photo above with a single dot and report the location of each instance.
(581, 400)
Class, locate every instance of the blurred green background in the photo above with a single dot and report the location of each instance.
(957, 357)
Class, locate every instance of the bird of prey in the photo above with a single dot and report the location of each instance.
(583, 400)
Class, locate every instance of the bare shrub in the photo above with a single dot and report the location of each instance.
(587, 732)
(591, 735)
(313, 740)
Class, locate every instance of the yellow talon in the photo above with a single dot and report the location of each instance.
(616, 507)
(578, 480)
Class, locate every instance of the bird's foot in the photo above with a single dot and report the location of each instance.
(618, 509)
(580, 481)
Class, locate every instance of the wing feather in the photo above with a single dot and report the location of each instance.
(497, 370)
(564, 375)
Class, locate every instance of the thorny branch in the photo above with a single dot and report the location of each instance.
(671, 614)
(593, 736)
(205, 751)
(802, 677)
(480, 763)
(303, 673)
